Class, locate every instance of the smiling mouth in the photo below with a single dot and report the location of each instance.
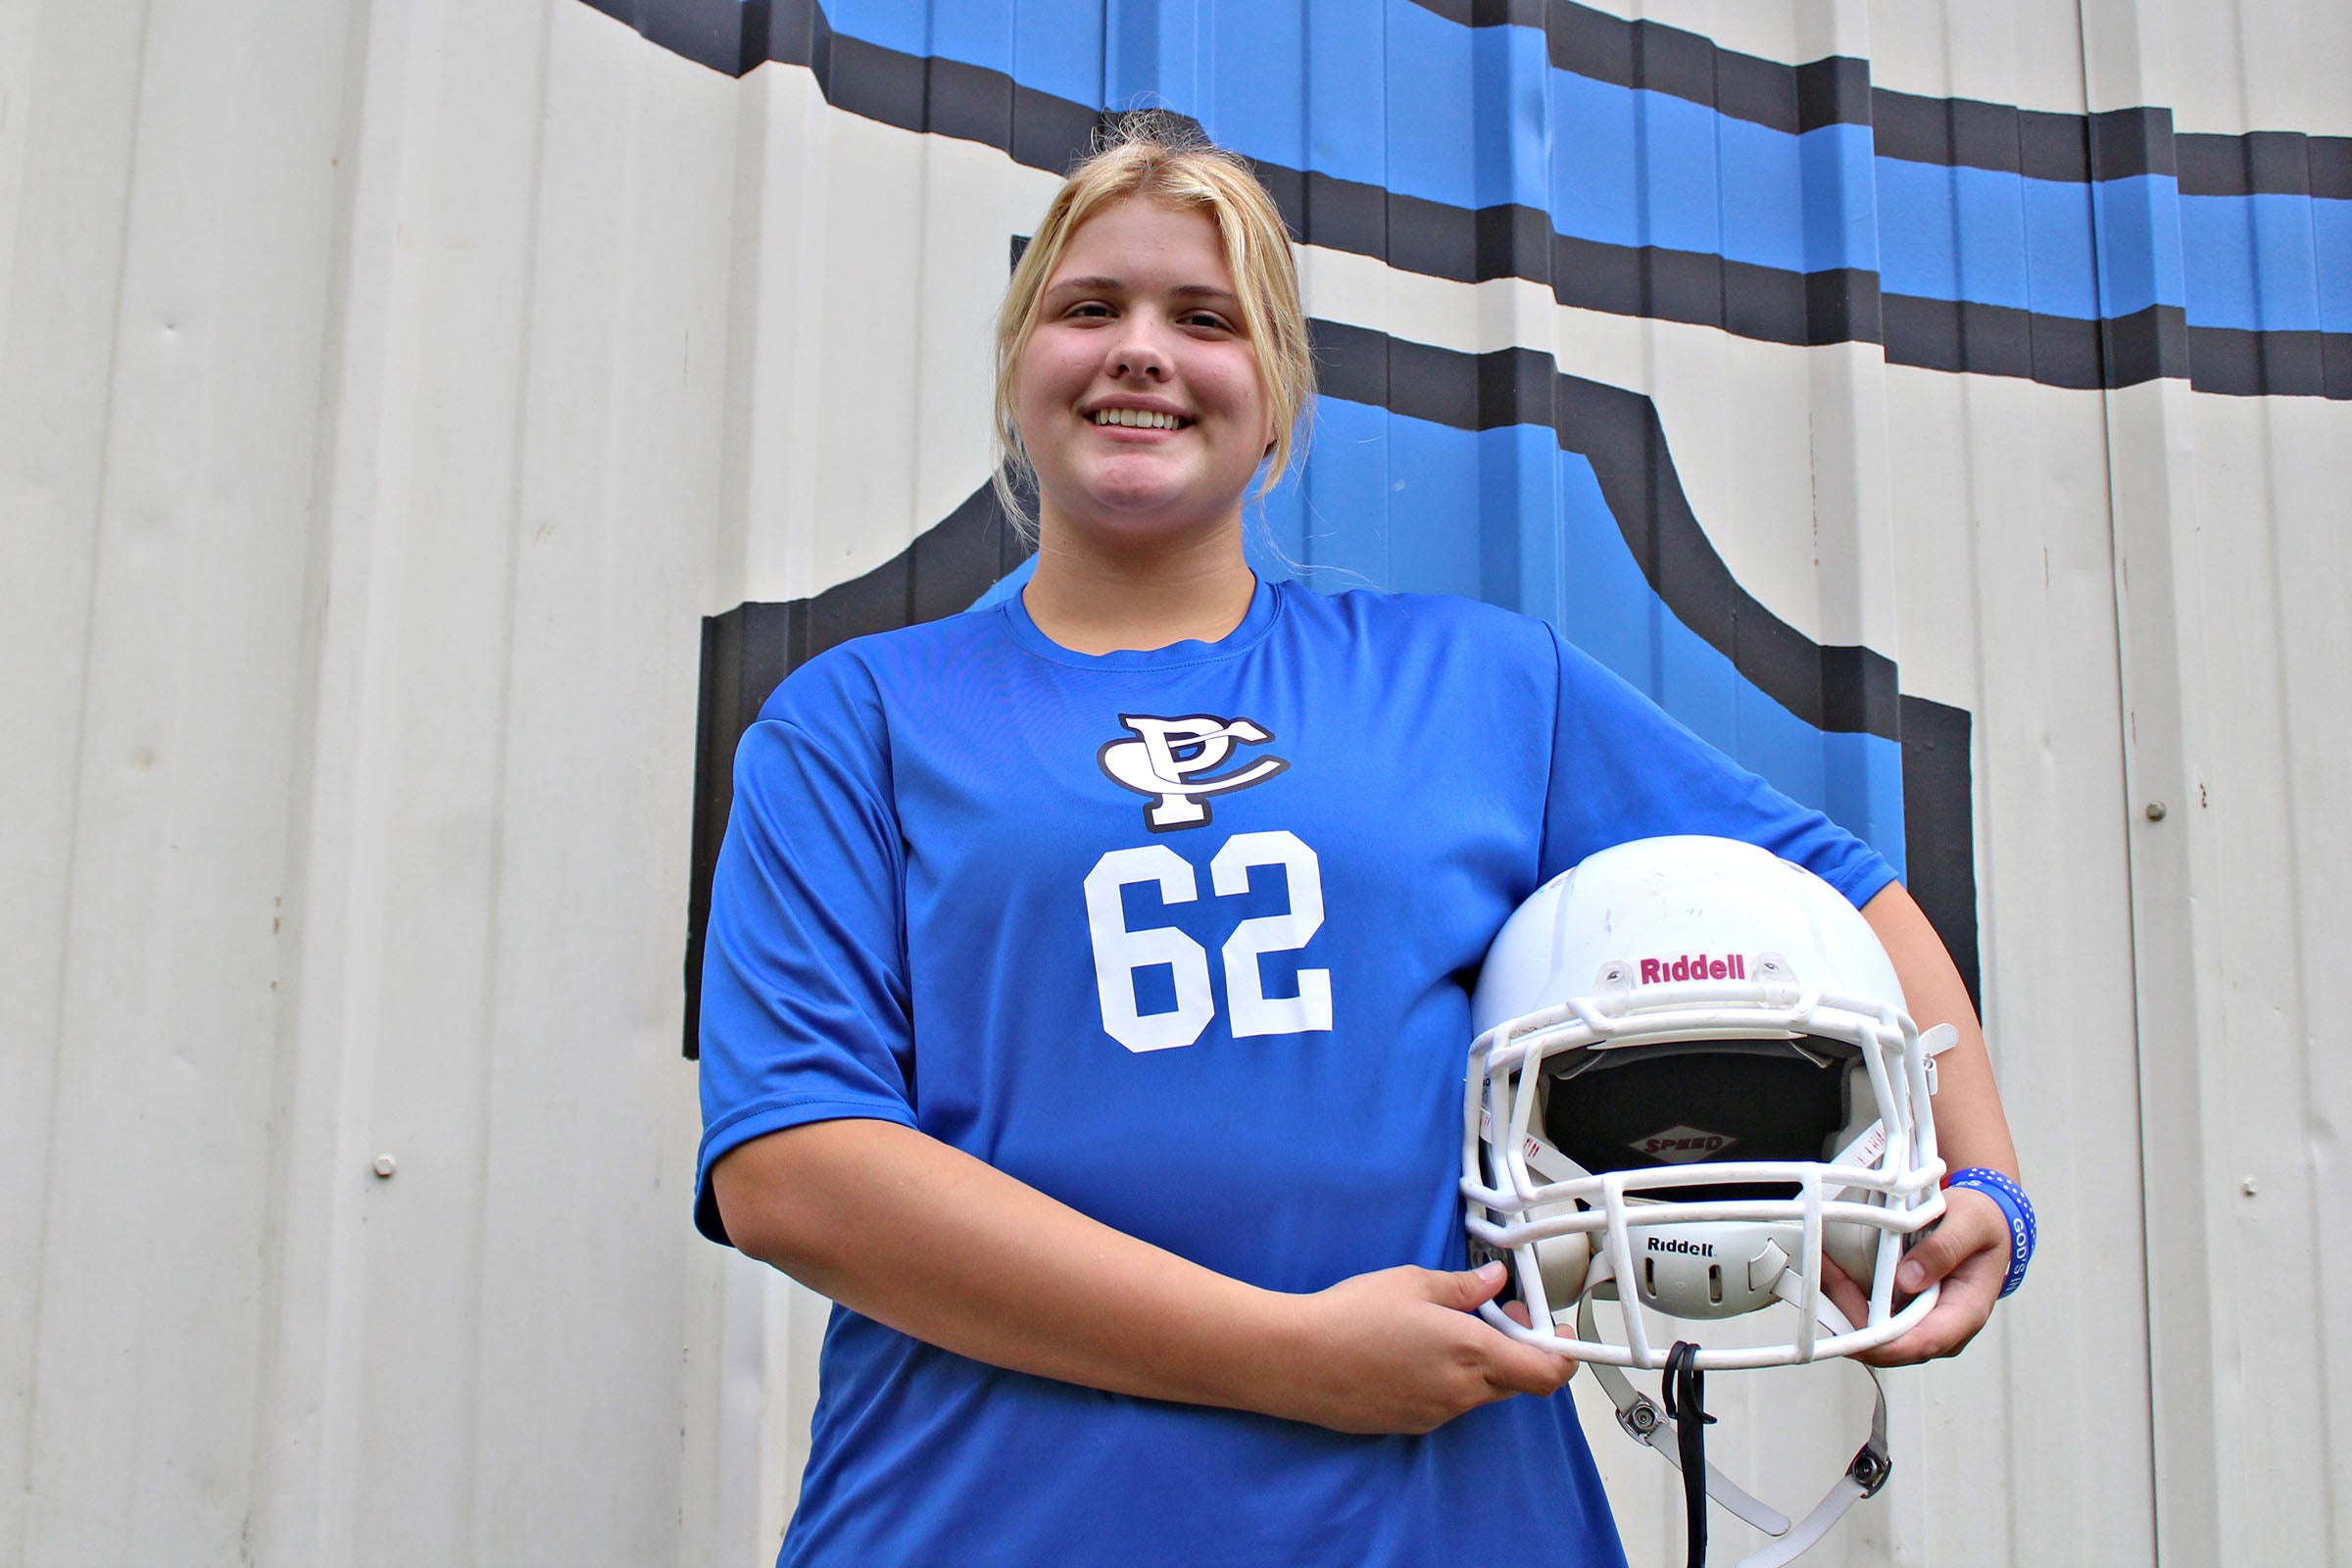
(1139, 419)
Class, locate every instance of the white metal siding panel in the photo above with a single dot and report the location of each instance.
(2021, 51)
(865, 306)
(617, 479)
(55, 330)
(524, 480)
(2262, 800)
(390, 638)
(172, 358)
(2214, 502)
(2008, 568)
(2250, 64)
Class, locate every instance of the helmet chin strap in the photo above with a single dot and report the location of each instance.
(1682, 1424)
(1681, 1386)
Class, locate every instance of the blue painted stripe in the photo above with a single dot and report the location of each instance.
(1641, 168)
(1474, 117)
(2270, 264)
(1955, 233)
(2139, 262)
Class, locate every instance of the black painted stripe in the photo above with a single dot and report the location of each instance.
(2242, 363)
(1836, 90)
(749, 649)
(1964, 337)
(1966, 133)
(715, 33)
(1833, 688)
(736, 36)
(1940, 841)
(969, 103)
(1830, 688)
(1831, 91)
(2282, 162)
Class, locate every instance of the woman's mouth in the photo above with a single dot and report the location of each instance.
(1137, 420)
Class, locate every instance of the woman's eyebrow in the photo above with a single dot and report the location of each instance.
(1095, 285)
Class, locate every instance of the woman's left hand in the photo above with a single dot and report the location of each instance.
(1968, 1251)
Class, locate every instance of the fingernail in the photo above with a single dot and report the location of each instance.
(1911, 1276)
(1490, 1269)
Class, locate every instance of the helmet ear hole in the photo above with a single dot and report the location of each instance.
(1564, 1261)
(1854, 1249)
(1858, 1110)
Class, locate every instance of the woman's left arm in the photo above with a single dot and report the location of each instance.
(1969, 1249)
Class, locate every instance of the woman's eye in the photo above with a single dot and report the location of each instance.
(1089, 308)
(1208, 319)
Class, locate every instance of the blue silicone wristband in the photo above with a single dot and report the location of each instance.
(2015, 1207)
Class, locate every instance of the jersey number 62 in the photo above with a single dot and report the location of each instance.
(1119, 953)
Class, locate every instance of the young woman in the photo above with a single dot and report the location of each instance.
(1086, 1010)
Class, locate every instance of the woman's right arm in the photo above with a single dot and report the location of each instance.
(914, 1234)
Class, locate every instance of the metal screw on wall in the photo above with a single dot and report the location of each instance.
(2155, 811)
(385, 1165)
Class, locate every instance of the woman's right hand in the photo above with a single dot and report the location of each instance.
(1404, 1349)
(928, 1240)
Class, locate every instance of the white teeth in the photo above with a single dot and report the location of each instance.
(1137, 419)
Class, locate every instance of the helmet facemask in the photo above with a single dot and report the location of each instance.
(1678, 1103)
(1712, 1169)
(1693, 1135)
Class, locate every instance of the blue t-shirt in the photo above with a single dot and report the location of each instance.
(1182, 938)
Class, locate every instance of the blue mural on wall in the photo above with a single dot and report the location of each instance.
(1628, 167)
(1639, 169)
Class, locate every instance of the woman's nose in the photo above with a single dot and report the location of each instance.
(1140, 349)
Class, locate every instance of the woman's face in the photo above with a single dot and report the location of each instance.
(1137, 394)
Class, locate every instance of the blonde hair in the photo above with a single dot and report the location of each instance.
(1160, 156)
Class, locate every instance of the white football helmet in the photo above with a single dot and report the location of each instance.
(1694, 1077)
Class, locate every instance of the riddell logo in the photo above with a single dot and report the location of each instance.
(1660, 1243)
(1693, 966)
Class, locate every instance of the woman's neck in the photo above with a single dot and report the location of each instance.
(1097, 601)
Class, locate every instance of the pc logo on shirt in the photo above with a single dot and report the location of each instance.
(1169, 757)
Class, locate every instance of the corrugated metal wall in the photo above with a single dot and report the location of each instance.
(1945, 407)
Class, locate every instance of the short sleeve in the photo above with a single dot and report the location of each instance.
(1621, 769)
(805, 1011)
